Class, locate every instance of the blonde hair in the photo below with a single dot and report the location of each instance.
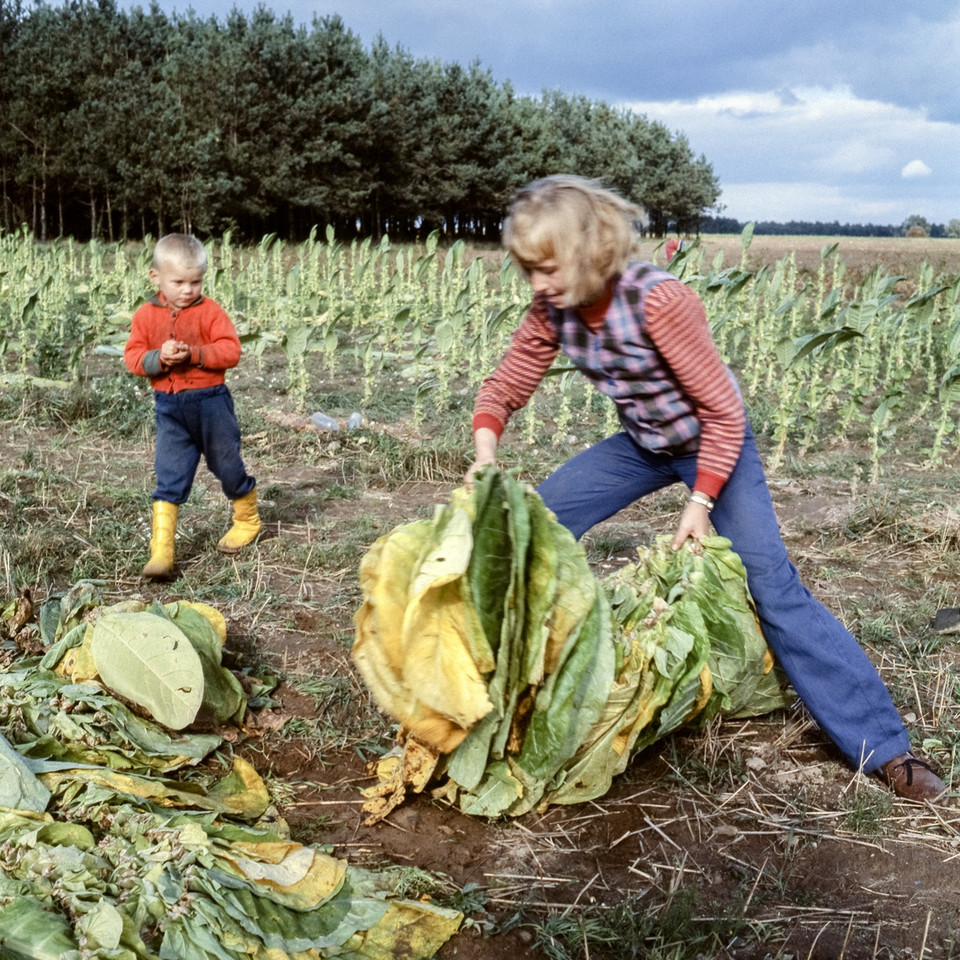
(587, 229)
(182, 249)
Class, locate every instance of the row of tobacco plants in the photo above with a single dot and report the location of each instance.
(819, 356)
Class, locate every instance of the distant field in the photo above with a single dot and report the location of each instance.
(861, 254)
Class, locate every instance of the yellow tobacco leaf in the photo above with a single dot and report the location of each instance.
(706, 689)
(441, 733)
(573, 600)
(411, 930)
(77, 662)
(437, 659)
(303, 880)
(241, 792)
(768, 661)
(411, 765)
(269, 851)
(412, 643)
(385, 579)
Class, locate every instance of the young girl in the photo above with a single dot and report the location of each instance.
(642, 338)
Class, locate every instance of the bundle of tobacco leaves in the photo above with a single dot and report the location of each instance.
(115, 843)
(518, 679)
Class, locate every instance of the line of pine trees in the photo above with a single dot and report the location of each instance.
(117, 124)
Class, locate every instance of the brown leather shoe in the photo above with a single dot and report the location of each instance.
(912, 778)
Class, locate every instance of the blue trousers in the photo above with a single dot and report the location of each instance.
(192, 423)
(827, 667)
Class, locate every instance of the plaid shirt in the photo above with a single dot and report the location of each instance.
(650, 350)
(621, 361)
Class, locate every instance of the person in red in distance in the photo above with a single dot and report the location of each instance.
(641, 337)
(674, 244)
(184, 343)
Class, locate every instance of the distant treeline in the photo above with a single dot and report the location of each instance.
(117, 124)
(818, 228)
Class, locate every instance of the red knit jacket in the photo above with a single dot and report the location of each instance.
(204, 325)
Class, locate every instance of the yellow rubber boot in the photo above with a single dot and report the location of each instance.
(160, 564)
(246, 524)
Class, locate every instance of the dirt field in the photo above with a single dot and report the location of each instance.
(749, 840)
(860, 254)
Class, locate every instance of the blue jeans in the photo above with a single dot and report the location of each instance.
(191, 423)
(827, 667)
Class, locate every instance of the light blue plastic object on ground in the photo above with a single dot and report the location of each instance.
(354, 422)
(322, 422)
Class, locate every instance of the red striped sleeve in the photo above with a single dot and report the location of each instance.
(677, 324)
(532, 350)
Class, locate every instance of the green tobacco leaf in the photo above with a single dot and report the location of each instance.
(495, 794)
(19, 788)
(223, 693)
(102, 926)
(490, 563)
(573, 697)
(49, 620)
(689, 623)
(633, 700)
(29, 932)
(72, 638)
(148, 660)
(280, 928)
(510, 654)
(469, 761)
(58, 834)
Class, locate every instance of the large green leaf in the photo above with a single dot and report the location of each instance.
(148, 660)
(541, 574)
(489, 573)
(29, 932)
(497, 792)
(223, 694)
(19, 788)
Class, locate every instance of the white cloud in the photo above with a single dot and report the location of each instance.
(858, 155)
(812, 153)
(914, 169)
(806, 200)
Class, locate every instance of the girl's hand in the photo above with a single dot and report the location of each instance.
(485, 442)
(694, 522)
(478, 464)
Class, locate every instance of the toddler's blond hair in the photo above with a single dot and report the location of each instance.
(183, 249)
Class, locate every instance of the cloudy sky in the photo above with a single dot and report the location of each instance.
(844, 110)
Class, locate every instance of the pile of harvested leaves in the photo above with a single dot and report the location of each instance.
(113, 841)
(518, 679)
